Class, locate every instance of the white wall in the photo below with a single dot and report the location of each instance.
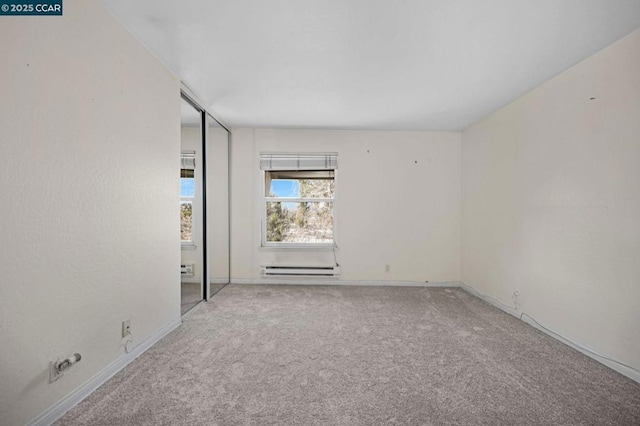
(551, 202)
(89, 155)
(398, 203)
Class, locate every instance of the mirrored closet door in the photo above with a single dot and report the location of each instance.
(218, 204)
(192, 206)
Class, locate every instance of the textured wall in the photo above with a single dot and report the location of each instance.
(88, 162)
(551, 202)
(398, 203)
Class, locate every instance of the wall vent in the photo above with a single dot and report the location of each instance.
(186, 270)
(300, 271)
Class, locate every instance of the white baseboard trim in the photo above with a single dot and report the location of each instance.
(625, 371)
(219, 281)
(335, 281)
(57, 410)
(490, 300)
(523, 316)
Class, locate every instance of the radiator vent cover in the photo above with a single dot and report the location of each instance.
(300, 271)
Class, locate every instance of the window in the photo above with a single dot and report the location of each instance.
(299, 199)
(187, 195)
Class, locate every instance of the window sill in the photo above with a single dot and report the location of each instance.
(188, 246)
(299, 247)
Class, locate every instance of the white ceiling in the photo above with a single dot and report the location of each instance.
(370, 64)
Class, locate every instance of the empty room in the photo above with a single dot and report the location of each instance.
(356, 212)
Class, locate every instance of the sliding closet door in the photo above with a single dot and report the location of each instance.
(218, 204)
(192, 206)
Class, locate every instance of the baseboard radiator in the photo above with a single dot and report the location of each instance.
(186, 270)
(300, 271)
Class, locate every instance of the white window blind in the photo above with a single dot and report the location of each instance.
(298, 161)
(188, 160)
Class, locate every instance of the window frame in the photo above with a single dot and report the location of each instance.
(264, 199)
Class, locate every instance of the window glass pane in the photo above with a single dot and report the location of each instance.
(300, 222)
(186, 210)
(284, 188)
(316, 188)
(187, 187)
(302, 188)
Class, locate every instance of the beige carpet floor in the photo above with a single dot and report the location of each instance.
(322, 355)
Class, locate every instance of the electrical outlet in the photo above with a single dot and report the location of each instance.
(126, 328)
(387, 268)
